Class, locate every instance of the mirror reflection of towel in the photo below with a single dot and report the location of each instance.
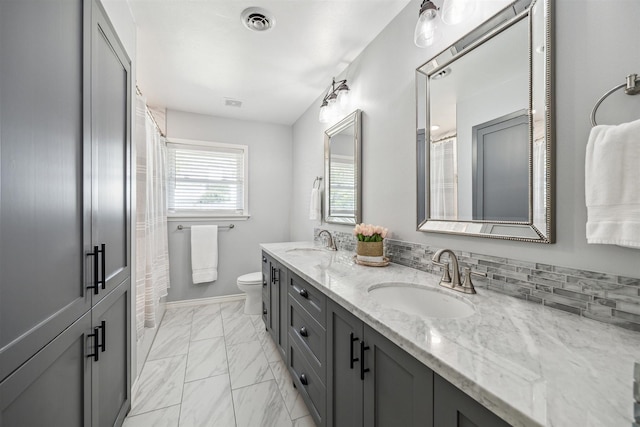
(204, 253)
(612, 180)
(314, 205)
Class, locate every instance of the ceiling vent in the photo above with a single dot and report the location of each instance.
(257, 19)
(232, 102)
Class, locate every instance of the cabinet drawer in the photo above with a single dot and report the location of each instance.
(311, 299)
(310, 337)
(308, 384)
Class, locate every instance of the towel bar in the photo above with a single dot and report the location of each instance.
(183, 227)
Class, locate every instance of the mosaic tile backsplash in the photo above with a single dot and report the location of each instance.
(599, 296)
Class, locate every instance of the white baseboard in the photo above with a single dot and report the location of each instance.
(203, 301)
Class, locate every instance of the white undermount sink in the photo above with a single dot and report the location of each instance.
(304, 250)
(421, 301)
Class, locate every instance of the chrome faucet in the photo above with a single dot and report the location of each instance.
(330, 243)
(454, 282)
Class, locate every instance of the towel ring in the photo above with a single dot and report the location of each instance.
(632, 87)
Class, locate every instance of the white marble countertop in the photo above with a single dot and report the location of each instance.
(529, 364)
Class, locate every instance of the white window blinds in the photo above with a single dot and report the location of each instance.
(342, 182)
(207, 179)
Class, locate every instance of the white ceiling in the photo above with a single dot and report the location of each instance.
(192, 55)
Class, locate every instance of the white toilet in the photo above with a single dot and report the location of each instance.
(251, 284)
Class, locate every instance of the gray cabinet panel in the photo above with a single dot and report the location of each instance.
(111, 141)
(344, 386)
(454, 408)
(398, 389)
(53, 387)
(308, 384)
(276, 302)
(43, 211)
(111, 376)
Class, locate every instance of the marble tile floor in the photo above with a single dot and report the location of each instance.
(212, 365)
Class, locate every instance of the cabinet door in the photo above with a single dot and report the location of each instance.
(110, 124)
(398, 389)
(282, 310)
(44, 209)
(111, 376)
(274, 300)
(454, 408)
(344, 386)
(53, 388)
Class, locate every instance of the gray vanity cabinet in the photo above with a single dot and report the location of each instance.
(454, 408)
(371, 381)
(275, 302)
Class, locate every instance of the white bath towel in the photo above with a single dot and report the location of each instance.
(204, 253)
(314, 205)
(612, 185)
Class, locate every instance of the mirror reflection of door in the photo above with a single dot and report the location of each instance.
(501, 168)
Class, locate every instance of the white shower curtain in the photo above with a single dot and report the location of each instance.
(444, 179)
(152, 256)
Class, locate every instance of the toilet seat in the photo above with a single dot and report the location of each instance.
(250, 279)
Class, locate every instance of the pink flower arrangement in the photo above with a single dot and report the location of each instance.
(370, 233)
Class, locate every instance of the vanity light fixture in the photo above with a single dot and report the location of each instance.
(334, 101)
(427, 26)
(457, 11)
(453, 12)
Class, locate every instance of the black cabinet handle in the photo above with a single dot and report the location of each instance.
(103, 341)
(104, 265)
(303, 332)
(303, 379)
(96, 345)
(271, 276)
(264, 311)
(363, 348)
(352, 359)
(303, 293)
(96, 273)
(264, 259)
(264, 282)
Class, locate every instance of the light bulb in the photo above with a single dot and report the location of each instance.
(426, 28)
(343, 98)
(323, 117)
(457, 11)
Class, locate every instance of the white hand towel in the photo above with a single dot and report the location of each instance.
(314, 205)
(612, 185)
(204, 253)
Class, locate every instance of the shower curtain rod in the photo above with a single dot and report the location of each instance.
(153, 119)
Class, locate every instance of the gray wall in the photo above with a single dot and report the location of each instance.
(269, 199)
(593, 53)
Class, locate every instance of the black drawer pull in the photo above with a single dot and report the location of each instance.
(103, 341)
(303, 332)
(303, 293)
(303, 379)
(103, 251)
(352, 339)
(264, 283)
(363, 348)
(264, 259)
(96, 345)
(264, 311)
(96, 273)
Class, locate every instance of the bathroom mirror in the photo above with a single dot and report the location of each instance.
(342, 183)
(484, 130)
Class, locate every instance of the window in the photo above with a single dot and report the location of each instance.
(207, 179)
(342, 179)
